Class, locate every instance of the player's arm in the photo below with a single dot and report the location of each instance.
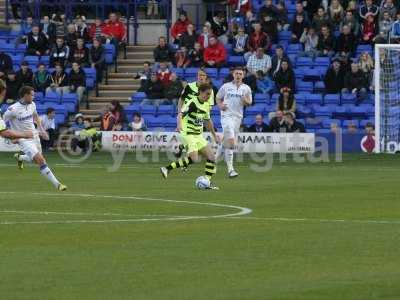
(12, 134)
(210, 127)
(247, 98)
(219, 99)
(38, 122)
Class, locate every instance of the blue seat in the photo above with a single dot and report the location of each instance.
(299, 73)
(292, 58)
(303, 111)
(348, 98)
(52, 97)
(341, 113)
(166, 121)
(357, 112)
(305, 86)
(346, 123)
(332, 99)
(285, 35)
(261, 98)
(304, 62)
(130, 109)
(166, 110)
(275, 98)
(224, 72)
(255, 109)
(217, 83)
(301, 98)
(312, 75)
(236, 60)
(38, 97)
(45, 59)
(69, 98)
(148, 110)
(59, 119)
(248, 121)
(326, 123)
(138, 96)
(212, 72)
(319, 87)
(191, 72)
(322, 61)
(215, 111)
(364, 123)
(8, 48)
(369, 110)
(324, 111)
(32, 60)
(179, 72)
(314, 99)
(313, 123)
(153, 122)
(59, 108)
(294, 48)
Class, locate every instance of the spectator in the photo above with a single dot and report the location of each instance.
(387, 6)
(268, 9)
(351, 127)
(368, 29)
(286, 102)
(239, 6)
(264, 83)
(300, 11)
(350, 21)
(270, 27)
(282, 17)
(138, 123)
(355, 83)
(277, 123)
(259, 125)
(259, 62)
(366, 65)
(326, 43)
(204, 37)
(78, 123)
(248, 22)
(49, 125)
(82, 29)
(96, 30)
(188, 38)
(277, 59)
(37, 42)
(292, 125)
(215, 54)
(80, 53)
(182, 58)
(257, 39)
(152, 9)
(334, 78)
(367, 8)
(174, 90)
(154, 91)
(385, 25)
(219, 27)
(164, 74)
(144, 75)
(369, 128)
(239, 43)
(77, 81)
(26, 28)
(285, 77)
(310, 41)
(163, 51)
(298, 27)
(114, 30)
(59, 80)
(97, 59)
(352, 6)
(196, 56)
(87, 139)
(71, 36)
(59, 24)
(334, 128)
(346, 43)
(41, 79)
(321, 19)
(395, 33)
(59, 53)
(25, 75)
(118, 115)
(6, 63)
(336, 13)
(12, 88)
(180, 26)
(49, 29)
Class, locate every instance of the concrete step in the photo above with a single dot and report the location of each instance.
(133, 61)
(119, 93)
(130, 81)
(117, 87)
(141, 55)
(108, 99)
(133, 69)
(140, 48)
(125, 72)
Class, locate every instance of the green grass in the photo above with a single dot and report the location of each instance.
(308, 255)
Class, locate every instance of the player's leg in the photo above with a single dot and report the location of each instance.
(210, 167)
(229, 142)
(46, 172)
(26, 157)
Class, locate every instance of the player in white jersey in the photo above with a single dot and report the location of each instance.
(22, 116)
(231, 98)
(4, 131)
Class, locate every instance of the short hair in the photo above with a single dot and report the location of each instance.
(25, 90)
(3, 85)
(238, 68)
(204, 87)
(50, 110)
(147, 62)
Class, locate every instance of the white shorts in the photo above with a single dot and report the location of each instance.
(30, 147)
(231, 127)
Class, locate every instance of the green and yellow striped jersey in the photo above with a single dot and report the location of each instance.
(2, 125)
(194, 113)
(191, 91)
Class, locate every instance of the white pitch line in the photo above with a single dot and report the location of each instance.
(241, 210)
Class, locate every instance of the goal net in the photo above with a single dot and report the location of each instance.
(387, 98)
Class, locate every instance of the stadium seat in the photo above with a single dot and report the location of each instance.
(348, 98)
(217, 83)
(319, 87)
(166, 110)
(138, 97)
(314, 99)
(294, 49)
(313, 123)
(284, 35)
(261, 98)
(304, 62)
(322, 61)
(32, 60)
(38, 97)
(305, 86)
(340, 113)
(346, 123)
(248, 121)
(223, 72)
(148, 110)
(326, 123)
(301, 98)
(130, 109)
(332, 99)
(325, 111)
(236, 61)
(212, 72)
(52, 97)
(364, 123)
(299, 73)
(215, 111)
(179, 72)
(357, 112)
(191, 72)
(303, 111)
(312, 75)
(255, 109)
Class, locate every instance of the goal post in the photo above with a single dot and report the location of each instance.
(387, 98)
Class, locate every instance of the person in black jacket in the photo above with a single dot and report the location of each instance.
(97, 58)
(285, 77)
(59, 53)
(41, 79)
(80, 53)
(49, 29)
(346, 43)
(77, 81)
(297, 28)
(326, 43)
(6, 63)
(277, 123)
(25, 75)
(334, 78)
(174, 90)
(59, 81)
(189, 38)
(163, 51)
(37, 42)
(259, 125)
(292, 125)
(219, 27)
(356, 83)
(12, 88)
(277, 60)
(154, 91)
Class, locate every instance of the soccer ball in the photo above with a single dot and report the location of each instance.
(202, 183)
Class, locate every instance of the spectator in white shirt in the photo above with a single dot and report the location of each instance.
(259, 62)
(49, 125)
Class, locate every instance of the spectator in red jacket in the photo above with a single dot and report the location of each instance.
(215, 53)
(204, 37)
(96, 30)
(164, 74)
(180, 26)
(258, 39)
(114, 30)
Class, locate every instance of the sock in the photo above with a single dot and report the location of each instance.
(46, 172)
(182, 162)
(229, 159)
(210, 168)
(24, 157)
(220, 152)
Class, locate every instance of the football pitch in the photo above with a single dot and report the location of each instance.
(300, 231)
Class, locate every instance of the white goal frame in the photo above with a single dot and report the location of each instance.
(377, 91)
